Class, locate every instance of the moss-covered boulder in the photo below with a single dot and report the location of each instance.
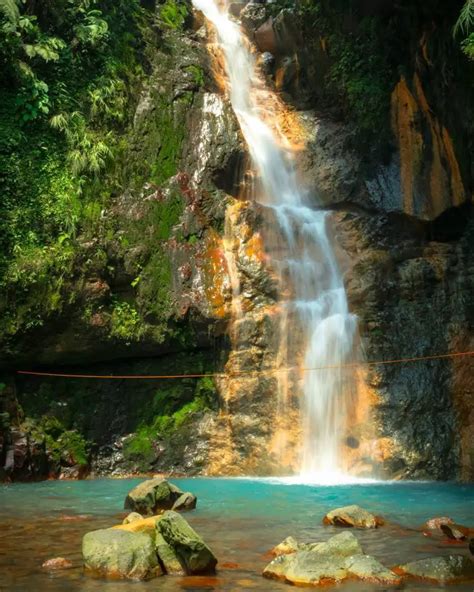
(168, 558)
(153, 495)
(352, 516)
(192, 551)
(118, 553)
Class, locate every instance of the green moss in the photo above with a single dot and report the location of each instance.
(126, 322)
(173, 13)
(140, 447)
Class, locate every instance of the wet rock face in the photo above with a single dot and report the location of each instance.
(411, 295)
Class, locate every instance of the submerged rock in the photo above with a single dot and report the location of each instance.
(118, 553)
(57, 563)
(449, 569)
(192, 551)
(154, 495)
(352, 516)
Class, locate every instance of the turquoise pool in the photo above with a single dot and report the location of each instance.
(241, 519)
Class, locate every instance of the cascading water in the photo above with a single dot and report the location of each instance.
(318, 303)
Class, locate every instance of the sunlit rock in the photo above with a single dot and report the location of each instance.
(287, 546)
(352, 516)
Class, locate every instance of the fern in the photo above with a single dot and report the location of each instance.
(465, 21)
(9, 9)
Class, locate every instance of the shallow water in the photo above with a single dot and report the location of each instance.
(241, 519)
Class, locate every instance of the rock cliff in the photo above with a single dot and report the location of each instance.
(174, 278)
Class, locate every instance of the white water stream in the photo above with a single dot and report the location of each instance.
(318, 301)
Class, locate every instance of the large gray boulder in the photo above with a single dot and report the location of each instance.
(154, 495)
(352, 516)
(119, 553)
(450, 569)
(192, 551)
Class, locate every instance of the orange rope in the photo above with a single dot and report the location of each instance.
(243, 372)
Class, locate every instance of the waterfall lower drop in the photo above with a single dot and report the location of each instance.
(318, 301)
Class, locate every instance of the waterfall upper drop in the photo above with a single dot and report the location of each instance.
(314, 300)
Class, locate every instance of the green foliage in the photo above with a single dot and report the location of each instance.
(125, 322)
(173, 13)
(140, 448)
(67, 73)
(67, 447)
(464, 25)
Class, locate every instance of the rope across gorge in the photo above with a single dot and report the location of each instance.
(243, 372)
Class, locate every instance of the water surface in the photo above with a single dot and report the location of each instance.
(241, 519)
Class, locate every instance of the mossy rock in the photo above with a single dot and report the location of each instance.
(192, 551)
(117, 553)
(151, 496)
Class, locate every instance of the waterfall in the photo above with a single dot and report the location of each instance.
(317, 305)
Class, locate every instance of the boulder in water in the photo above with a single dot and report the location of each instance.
(352, 516)
(193, 553)
(118, 553)
(153, 495)
(187, 501)
(333, 561)
(445, 570)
